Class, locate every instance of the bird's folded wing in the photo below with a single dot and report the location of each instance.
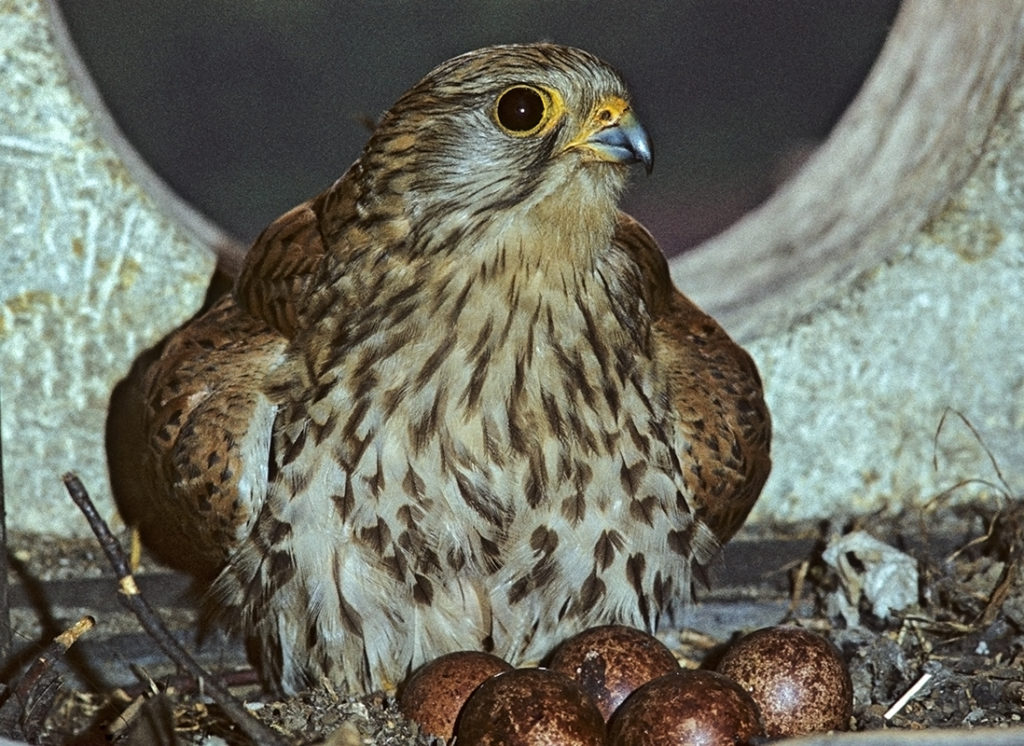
(207, 427)
(716, 391)
(280, 267)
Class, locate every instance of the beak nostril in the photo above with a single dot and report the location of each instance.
(619, 139)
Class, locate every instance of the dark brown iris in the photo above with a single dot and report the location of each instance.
(520, 109)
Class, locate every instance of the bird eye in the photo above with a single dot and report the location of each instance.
(521, 110)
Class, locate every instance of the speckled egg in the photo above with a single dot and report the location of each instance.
(610, 662)
(435, 693)
(530, 707)
(797, 678)
(686, 707)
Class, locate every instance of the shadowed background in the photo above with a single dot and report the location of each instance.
(249, 112)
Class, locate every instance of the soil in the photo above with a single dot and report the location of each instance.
(962, 630)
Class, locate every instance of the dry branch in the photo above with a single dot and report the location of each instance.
(25, 710)
(5, 609)
(131, 597)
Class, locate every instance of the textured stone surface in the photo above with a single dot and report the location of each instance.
(91, 273)
(858, 389)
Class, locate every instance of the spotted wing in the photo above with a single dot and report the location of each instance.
(716, 391)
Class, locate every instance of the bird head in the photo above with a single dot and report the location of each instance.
(506, 140)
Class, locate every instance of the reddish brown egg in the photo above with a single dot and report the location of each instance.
(797, 678)
(686, 707)
(530, 707)
(434, 694)
(610, 662)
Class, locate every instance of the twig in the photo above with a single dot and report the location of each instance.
(1011, 565)
(38, 687)
(26, 706)
(797, 591)
(5, 606)
(150, 621)
(990, 531)
(907, 696)
(147, 719)
(1007, 579)
(1003, 487)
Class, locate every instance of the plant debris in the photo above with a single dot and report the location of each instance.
(949, 655)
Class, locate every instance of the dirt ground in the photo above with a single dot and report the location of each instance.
(959, 625)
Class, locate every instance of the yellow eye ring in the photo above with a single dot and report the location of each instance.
(523, 110)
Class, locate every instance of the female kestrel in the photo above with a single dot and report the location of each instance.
(455, 400)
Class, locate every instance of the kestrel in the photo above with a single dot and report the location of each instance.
(455, 401)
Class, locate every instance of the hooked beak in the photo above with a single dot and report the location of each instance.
(617, 136)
